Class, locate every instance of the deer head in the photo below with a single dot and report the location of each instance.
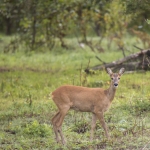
(115, 77)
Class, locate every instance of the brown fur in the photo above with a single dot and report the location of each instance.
(95, 100)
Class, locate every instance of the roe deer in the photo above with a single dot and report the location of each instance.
(95, 100)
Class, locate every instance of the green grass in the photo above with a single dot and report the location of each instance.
(26, 109)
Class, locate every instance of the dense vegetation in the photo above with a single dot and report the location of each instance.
(39, 24)
(45, 44)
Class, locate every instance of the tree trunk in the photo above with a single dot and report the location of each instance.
(8, 26)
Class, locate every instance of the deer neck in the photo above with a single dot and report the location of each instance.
(111, 92)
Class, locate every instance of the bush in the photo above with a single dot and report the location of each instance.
(36, 129)
(141, 106)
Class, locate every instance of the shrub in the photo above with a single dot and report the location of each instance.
(36, 129)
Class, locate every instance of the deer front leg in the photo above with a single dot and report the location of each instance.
(93, 125)
(100, 116)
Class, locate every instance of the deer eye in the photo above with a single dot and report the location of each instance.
(118, 78)
(112, 78)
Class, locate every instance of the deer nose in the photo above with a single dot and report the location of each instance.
(115, 84)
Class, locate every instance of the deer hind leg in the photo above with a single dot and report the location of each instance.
(54, 120)
(59, 122)
(93, 125)
(100, 116)
(56, 116)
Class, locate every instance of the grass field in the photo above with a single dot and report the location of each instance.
(26, 109)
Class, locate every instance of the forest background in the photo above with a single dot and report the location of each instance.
(45, 44)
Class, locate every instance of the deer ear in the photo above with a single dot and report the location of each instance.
(109, 71)
(121, 71)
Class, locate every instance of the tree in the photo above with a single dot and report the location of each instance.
(39, 23)
(10, 14)
(139, 9)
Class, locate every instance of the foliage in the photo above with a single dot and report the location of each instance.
(36, 129)
(148, 21)
(39, 25)
(137, 6)
(10, 13)
(42, 24)
(140, 11)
